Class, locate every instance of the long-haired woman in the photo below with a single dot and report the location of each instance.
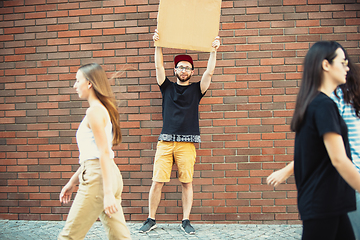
(100, 188)
(347, 98)
(324, 173)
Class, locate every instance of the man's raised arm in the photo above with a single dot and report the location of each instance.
(159, 61)
(206, 77)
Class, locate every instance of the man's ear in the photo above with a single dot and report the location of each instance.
(325, 65)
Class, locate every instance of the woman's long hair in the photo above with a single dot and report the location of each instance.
(351, 89)
(94, 73)
(311, 79)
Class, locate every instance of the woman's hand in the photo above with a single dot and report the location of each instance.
(110, 205)
(66, 191)
(276, 178)
(281, 175)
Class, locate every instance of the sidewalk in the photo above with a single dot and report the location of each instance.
(36, 230)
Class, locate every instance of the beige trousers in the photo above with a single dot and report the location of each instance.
(88, 205)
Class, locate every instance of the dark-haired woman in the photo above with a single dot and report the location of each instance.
(347, 98)
(100, 188)
(324, 174)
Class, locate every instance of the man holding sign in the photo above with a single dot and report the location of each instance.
(180, 130)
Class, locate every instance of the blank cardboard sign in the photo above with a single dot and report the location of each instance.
(188, 24)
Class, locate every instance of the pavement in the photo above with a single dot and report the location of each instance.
(37, 230)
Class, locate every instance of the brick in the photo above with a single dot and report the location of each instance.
(258, 25)
(79, 12)
(319, 1)
(96, 32)
(102, 11)
(68, 34)
(352, 21)
(322, 15)
(226, 26)
(35, 15)
(307, 23)
(104, 53)
(294, 2)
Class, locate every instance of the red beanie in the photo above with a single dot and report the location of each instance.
(180, 58)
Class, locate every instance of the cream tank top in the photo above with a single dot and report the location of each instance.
(86, 141)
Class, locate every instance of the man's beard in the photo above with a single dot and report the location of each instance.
(183, 80)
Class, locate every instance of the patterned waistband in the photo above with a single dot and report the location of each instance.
(179, 138)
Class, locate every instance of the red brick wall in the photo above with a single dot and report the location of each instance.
(244, 116)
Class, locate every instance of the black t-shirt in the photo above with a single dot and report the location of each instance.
(180, 112)
(322, 192)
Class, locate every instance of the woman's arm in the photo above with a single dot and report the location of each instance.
(66, 191)
(281, 175)
(335, 147)
(97, 119)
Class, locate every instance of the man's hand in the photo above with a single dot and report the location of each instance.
(156, 35)
(215, 43)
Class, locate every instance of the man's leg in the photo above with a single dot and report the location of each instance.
(185, 157)
(161, 173)
(187, 199)
(154, 198)
(154, 201)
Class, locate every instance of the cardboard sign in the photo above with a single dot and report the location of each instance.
(188, 24)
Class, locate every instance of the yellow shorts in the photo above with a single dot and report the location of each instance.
(184, 155)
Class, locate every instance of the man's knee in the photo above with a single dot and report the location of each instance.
(157, 185)
(186, 185)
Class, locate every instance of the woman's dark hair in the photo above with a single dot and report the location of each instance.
(351, 89)
(311, 79)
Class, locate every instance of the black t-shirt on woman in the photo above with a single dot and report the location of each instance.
(322, 192)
